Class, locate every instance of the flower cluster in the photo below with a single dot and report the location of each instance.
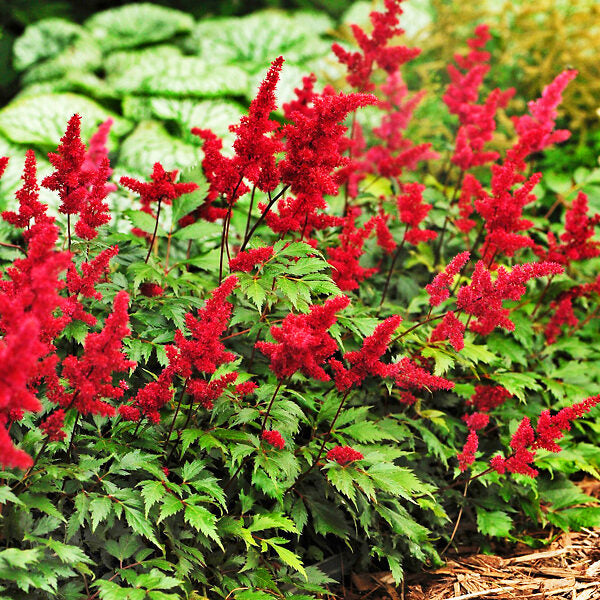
(344, 455)
(246, 261)
(274, 438)
(439, 288)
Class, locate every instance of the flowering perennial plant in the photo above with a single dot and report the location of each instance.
(337, 327)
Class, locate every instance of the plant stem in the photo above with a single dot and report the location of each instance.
(73, 436)
(391, 270)
(323, 444)
(262, 217)
(15, 246)
(155, 230)
(250, 211)
(69, 231)
(166, 443)
(264, 422)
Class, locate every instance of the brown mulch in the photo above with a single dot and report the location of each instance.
(567, 569)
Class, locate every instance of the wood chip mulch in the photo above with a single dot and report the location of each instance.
(566, 569)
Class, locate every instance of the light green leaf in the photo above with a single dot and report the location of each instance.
(136, 24)
(202, 520)
(496, 523)
(99, 509)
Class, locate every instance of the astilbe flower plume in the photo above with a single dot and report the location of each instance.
(563, 315)
(409, 376)
(344, 455)
(525, 441)
(477, 121)
(247, 260)
(90, 375)
(68, 179)
(97, 151)
(204, 352)
(206, 392)
(92, 272)
(488, 397)
(347, 272)
(161, 188)
(467, 456)
(53, 425)
(576, 241)
(302, 342)
(412, 211)
(274, 438)
(151, 290)
(94, 211)
(451, 328)
(483, 298)
(439, 288)
(367, 361)
(374, 49)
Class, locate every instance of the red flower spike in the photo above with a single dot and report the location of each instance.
(374, 48)
(205, 351)
(366, 361)
(483, 298)
(151, 290)
(274, 438)
(28, 196)
(438, 289)
(255, 145)
(246, 261)
(477, 421)
(246, 388)
(451, 329)
(94, 212)
(563, 315)
(409, 376)
(467, 456)
(302, 342)
(412, 211)
(68, 179)
(97, 152)
(344, 455)
(206, 392)
(91, 375)
(486, 397)
(53, 424)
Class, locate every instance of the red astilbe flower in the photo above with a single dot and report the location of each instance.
(525, 441)
(3, 164)
(94, 211)
(451, 329)
(246, 261)
(439, 288)
(374, 49)
(69, 180)
(483, 298)
(151, 398)
(487, 397)
(563, 315)
(577, 243)
(206, 392)
(536, 130)
(151, 290)
(97, 151)
(476, 420)
(53, 424)
(344, 259)
(205, 351)
(412, 211)
(551, 427)
(302, 342)
(385, 240)
(409, 376)
(246, 388)
(467, 456)
(313, 149)
(305, 96)
(367, 360)
(471, 189)
(92, 273)
(343, 455)
(274, 438)
(161, 188)
(477, 121)
(90, 375)
(255, 145)
(30, 208)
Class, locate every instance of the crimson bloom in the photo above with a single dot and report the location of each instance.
(344, 455)
(274, 438)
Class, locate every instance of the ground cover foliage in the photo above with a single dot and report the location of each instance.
(332, 337)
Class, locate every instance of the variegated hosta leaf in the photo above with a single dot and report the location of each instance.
(136, 24)
(149, 143)
(258, 38)
(41, 120)
(44, 39)
(164, 71)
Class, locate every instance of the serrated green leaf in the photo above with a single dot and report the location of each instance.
(99, 509)
(496, 523)
(202, 520)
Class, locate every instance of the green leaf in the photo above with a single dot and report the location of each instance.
(152, 492)
(136, 24)
(517, 383)
(496, 523)
(139, 524)
(99, 509)
(202, 520)
(41, 503)
(145, 222)
(272, 521)
(151, 143)
(44, 39)
(151, 72)
(42, 120)
(7, 496)
(199, 231)
(171, 505)
(288, 557)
